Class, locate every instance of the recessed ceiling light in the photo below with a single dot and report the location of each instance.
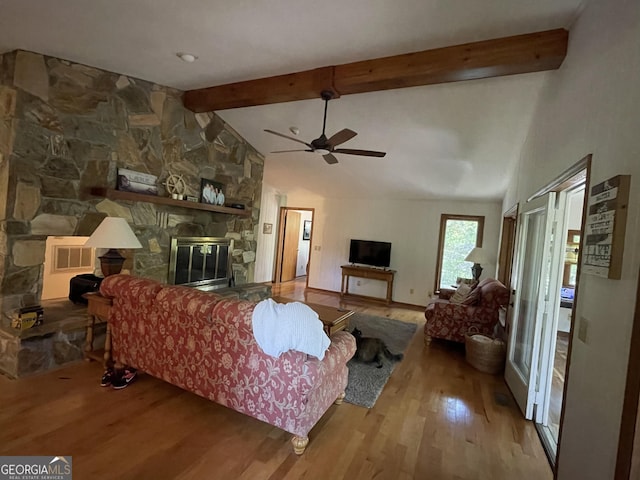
(294, 130)
(186, 57)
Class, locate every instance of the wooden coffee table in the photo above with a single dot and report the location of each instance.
(334, 319)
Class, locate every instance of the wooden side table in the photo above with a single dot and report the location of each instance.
(98, 310)
(370, 273)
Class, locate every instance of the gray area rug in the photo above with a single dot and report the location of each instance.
(366, 381)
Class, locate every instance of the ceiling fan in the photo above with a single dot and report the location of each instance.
(327, 146)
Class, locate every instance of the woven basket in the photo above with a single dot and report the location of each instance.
(484, 353)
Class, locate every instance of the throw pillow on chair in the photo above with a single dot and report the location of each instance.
(472, 298)
(461, 293)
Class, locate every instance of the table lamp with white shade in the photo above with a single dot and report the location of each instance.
(478, 256)
(112, 233)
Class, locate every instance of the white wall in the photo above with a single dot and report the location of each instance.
(266, 246)
(591, 105)
(411, 226)
(564, 319)
(303, 245)
(56, 284)
(574, 214)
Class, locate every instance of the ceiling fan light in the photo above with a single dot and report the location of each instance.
(322, 151)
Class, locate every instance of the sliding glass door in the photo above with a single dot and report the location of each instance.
(531, 300)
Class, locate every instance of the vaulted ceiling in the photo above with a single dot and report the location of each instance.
(455, 140)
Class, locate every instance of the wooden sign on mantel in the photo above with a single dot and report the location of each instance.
(605, 227)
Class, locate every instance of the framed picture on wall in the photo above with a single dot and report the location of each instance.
(306, 230)
(211, 192)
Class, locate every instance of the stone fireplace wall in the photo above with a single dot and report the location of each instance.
(65, 128)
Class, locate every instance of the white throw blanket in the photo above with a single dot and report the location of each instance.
(280, 327)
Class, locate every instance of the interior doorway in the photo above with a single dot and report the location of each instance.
(295, 237)
(628, 461)
(507, 246)
(545, 289)
(571, 234)
(556, 326)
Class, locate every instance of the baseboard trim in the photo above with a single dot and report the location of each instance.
(363, 298)
(410, 306)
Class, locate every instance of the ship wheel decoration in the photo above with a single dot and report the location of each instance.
(175, 184)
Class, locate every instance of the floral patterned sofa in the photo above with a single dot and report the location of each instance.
(451, 321)
(204, 343)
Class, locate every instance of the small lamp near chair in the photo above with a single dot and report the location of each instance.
(112, 233)
(478, 256)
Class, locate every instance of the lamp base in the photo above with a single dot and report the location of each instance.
(476, 270)
(111, 262)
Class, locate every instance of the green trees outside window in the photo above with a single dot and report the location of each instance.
(458, 235)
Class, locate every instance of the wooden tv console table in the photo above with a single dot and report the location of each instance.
(366, 272)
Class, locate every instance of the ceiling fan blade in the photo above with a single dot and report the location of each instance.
(341, 137)
(366, 153)
(287, 151)
(330, 159)
(287, 136)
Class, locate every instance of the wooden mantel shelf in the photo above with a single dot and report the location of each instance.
(112, 194)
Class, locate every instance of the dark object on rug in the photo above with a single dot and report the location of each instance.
(81, 284)
(365, 380)
(370, 349)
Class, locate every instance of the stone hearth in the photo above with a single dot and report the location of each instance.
(60, 339)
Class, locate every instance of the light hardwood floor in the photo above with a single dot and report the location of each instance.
(437, 418)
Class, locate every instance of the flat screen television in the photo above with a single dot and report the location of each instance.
(567, 293)
(368, 252)
(566, 296)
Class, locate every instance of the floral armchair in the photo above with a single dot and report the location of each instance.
(451, 321)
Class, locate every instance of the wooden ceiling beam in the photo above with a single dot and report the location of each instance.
(527, 53)
(263, 91)
(532, 52)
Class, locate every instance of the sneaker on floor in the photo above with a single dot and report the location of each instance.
(123, 380)
(107, 377)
